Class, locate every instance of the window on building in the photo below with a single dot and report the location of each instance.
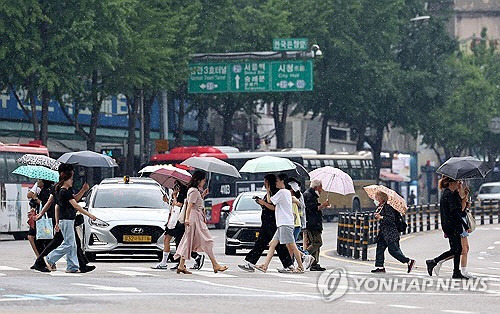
(337, 134)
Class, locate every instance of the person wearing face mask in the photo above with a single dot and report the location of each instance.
(388, 236)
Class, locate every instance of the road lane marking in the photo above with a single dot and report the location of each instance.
(491, 248)
(458, 312)
(211, 274)
(359, 302)
(108, 288)
(405, 306)
(480, 257)
(297, 295)
(63, 274)
(131, 273)
(496, 242)
(8, 268)
(2, 274)
(25, 297)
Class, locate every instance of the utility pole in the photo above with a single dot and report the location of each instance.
(141, 114)
(164, 114)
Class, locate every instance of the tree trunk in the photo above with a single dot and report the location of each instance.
(201, 119)
(148, 105)
(179, 130)
(34, 115)
(280, 120)
(227, 114)
(44, 131)
(376, 147)
(324, 127)
(360, 142)
(133, 105)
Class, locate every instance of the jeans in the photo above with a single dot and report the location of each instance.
(394, 250)
(455, 251)
(296, 233)
(68, 247)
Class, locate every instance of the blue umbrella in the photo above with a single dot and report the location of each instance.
(37, 172)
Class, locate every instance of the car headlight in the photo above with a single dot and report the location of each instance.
(98, 223)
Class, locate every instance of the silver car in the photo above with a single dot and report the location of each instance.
(243, 223)
(489, 192)
(131, 218)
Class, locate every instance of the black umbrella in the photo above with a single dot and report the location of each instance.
(468, 167)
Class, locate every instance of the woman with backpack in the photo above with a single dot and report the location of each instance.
(388, 236)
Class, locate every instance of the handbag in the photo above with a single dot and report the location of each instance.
(44, 229)
(174, 217)
(182, 214)
(471, 221)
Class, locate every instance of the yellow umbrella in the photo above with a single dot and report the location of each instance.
(394, 199)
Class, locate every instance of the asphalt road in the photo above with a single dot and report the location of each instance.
(130, 286)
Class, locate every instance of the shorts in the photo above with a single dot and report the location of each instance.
(284, 234)
(32, 232)
(170, 232)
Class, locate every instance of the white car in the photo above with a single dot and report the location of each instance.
(489, 192)
(131, 218)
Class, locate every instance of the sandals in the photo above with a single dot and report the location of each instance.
(183, 271)
(220, 269)
(262, 268)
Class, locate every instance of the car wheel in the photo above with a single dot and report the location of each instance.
(230, 250)
(90, 256)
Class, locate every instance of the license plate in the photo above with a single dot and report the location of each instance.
(257, 234)
(137, 238)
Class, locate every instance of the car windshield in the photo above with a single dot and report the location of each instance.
(129, 196)
(246, 202)
(490, 189)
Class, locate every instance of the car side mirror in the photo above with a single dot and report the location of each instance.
(225, 209)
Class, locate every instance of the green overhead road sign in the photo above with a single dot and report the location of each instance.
(208, 78)
(290, 44)
(292, 76)
(251, 76)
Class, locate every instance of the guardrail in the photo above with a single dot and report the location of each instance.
(358, 230)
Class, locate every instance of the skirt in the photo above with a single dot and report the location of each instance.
(196, 238)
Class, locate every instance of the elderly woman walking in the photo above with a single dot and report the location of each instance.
(196, 238)
(388, 236)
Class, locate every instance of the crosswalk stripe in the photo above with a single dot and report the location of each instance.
(2, 274)
(63, 274)
(213, 275)
(132, 273)
(8, 268)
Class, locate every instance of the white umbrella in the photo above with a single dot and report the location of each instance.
(267, 164)
(333, 180)
(151, 169)
(212, 164)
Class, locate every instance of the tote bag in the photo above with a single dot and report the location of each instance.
(44, 229)
(174, 217)
(471, 221)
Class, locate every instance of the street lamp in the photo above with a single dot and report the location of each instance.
(316, 52)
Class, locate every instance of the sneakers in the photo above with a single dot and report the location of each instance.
(431, 264)
(286, 270)
(247, 267)
(49, 267)
(198, 262)
(468, 275)
(160, 266)
(378, 270)
(72, 271)
(41, 268)
(87, 269)
(459, 276)
(317, 267)
(307, 261)
(411, 265)
(437, 268)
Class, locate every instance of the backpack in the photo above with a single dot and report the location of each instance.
(401, 225)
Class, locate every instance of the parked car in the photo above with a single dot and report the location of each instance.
(489, 192)
(243, 223)
(131, 218)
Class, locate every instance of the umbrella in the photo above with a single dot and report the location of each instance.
(268, 164)
(301, 171)
(394, 199)
(167, 176)
(464, 168)
(151, 169)
(37, 172)
(333, 180)
(87, 158)
(39, 160)
(212, 164)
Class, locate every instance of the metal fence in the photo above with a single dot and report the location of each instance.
(356, 231)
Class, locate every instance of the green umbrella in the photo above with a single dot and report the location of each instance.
(267, 164)
(37, 172)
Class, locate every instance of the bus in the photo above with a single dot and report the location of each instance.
(14, 205)
(359, 166)
(224, 189)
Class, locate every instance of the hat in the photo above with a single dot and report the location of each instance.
(295, 186)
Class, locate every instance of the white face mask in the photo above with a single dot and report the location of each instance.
(377, 203)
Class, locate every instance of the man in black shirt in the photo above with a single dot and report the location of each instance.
(314, 224)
